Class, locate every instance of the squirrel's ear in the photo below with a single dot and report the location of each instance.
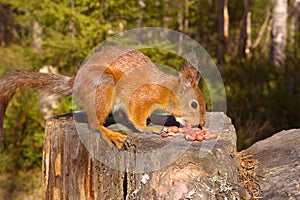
(189, 75)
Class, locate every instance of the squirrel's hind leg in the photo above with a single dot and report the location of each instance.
(102, 108)
(141, 105)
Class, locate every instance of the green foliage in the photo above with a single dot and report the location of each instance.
(23, 130)
(67, 36)
(262, 99)
(15, 58)
(24, 133)
(164, 58)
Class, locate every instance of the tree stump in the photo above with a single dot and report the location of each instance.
(78, 164)
(279, 165)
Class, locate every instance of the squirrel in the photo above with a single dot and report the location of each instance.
(113, 79)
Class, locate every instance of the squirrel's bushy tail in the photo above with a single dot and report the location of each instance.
(50, 83)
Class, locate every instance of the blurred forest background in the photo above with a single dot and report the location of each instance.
(255, 43)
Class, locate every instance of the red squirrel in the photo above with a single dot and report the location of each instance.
(118, 78)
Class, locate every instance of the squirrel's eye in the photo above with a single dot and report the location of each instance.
(194, 104)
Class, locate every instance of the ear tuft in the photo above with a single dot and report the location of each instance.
(189, 75)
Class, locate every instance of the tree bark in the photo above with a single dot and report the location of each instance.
(279, 33)
(73, 166)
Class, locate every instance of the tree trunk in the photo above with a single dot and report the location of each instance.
(78, 165)
(6, 25)
(279, 33)
(37, 39)
(72, 23)
(294, 23)
(183, 23)
(263, 29)
(140, 21)
(181, 29)
(186, 15)
(248, 40)
(226, 23)
(245, 35)
(101, 11)
(221, 41)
